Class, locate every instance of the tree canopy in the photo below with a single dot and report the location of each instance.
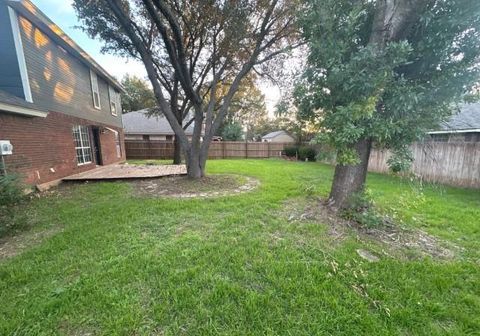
(232, 132)
(385, 71)
(189, 48)
(248, 108)
(138, 95)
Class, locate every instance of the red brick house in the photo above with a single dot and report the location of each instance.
(60, 110)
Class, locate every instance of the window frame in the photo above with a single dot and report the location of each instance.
(85, 144)
(95, 90)
(113, 95)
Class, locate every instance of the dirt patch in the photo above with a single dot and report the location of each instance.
(399, 240)
(15, 245)
(183, 187)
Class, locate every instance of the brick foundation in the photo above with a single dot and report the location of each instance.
(44, 150)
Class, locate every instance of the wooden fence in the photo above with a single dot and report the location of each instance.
(455, 163)
(449, 163)
(156, 149)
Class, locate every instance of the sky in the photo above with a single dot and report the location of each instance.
(62, 13)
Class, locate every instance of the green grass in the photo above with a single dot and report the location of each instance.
(234, 266)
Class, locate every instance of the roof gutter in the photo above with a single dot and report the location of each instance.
(471, 130)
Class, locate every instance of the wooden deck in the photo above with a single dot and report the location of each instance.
(128, 171)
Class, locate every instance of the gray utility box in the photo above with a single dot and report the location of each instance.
(6, 147)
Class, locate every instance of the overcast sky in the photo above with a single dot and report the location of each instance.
(62, 13)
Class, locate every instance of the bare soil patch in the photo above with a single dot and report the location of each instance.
(398, 240)
(11, 246)
(183, 187)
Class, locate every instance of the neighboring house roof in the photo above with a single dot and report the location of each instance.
(13, 104)
(37, 17)
(466, 120)
(138, 122)
(272, 135)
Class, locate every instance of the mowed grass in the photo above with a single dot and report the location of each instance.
(123, 265)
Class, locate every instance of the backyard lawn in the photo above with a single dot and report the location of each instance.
(100, 259)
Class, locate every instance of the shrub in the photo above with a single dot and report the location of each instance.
(307, 153)
(11, 190)
(290, 151)
(360, 209)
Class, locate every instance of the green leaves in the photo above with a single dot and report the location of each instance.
(138, 95)
(401, 159)
(232, 132)
(392, 92)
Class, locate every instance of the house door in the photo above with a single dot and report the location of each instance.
(96, 145)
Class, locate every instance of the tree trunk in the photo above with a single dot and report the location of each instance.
(350, 179)
(195, 170)
(177, 152)
(196, 160)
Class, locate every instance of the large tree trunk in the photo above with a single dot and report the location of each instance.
(350, 179)
(195, 168)
(177, 152)
(392, 19)
(196, 160)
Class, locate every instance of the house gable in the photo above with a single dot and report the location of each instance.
(59, 81)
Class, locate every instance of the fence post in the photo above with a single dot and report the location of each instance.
(246, 149)
(268, 149)
(223, 149)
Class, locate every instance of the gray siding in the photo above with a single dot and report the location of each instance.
(10, 79)
(60, 82)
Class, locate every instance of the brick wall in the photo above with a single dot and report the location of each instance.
(44, 150)
(109, 147)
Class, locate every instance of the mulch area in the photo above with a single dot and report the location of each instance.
(398, 240)
(183, 187)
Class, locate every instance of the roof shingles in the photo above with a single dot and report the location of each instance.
(274, 134)
(139, 122)
(467, 118)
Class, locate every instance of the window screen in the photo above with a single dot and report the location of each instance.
(95, 92)
(114, 106)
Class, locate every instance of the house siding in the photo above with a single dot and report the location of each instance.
(10, 79)
(60, 82)
(44, 149)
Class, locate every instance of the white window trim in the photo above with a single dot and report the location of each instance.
(17, 38)
(113, 96)
(79, 128)
(94, 84)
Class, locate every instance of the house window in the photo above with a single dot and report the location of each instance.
(95, 92)
(82, 144)
(114, 99)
